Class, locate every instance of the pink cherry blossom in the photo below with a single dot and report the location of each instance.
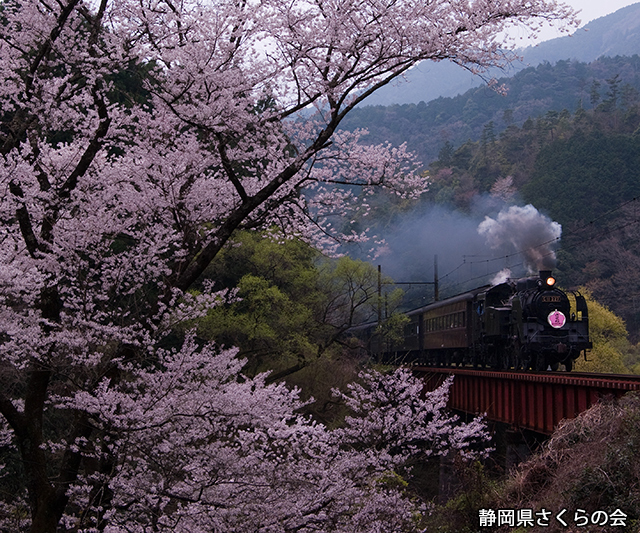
(135, 139)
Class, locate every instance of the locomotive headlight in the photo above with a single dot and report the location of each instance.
(546, 280)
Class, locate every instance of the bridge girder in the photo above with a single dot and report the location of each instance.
(536, 401)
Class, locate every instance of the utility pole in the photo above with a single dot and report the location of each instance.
(436, 289)
(379, 295)
(435, 283)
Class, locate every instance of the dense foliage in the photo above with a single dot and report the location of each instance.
(612, 351)
(287, 309)
(287, 298)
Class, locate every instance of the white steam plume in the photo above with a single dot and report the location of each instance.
(501, 277)
(524, 230)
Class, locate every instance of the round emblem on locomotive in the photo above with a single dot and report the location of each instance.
(556, 319)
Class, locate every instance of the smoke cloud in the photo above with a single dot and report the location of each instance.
(472, 248)
(525, 231)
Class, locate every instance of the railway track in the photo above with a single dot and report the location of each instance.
(615, 381)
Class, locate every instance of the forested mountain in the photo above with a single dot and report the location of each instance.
(569, 85)
(565, 138)
(582, 169)
(612, 35)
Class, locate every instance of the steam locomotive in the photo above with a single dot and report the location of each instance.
(520, 324)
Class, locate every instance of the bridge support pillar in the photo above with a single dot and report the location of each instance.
(517, 448)
(448, 480)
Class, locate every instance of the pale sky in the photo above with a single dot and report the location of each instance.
(592, 9)
(589, 10)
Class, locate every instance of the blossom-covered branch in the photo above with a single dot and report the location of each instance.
(136, 137)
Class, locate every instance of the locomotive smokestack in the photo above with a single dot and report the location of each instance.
(526, 231)
(544, 274)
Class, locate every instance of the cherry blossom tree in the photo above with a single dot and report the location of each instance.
(252, 463)
(136, 138)
(393, 415)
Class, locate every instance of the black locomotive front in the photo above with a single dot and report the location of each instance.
(529, 324)
(548, 332)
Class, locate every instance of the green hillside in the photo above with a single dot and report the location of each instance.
(565, 138)
(581, 169)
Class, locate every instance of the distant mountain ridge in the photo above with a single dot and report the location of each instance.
(612, 35)
(532, 92)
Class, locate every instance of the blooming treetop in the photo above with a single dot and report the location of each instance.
(200, 451)
(392, 415)
(135, 139)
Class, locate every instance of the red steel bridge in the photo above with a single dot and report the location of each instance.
(537, 401)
